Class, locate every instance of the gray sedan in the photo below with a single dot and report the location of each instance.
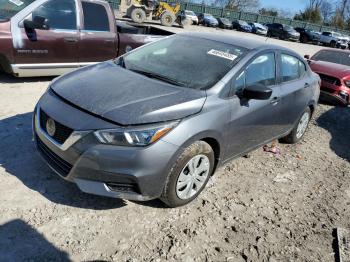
(158, 121)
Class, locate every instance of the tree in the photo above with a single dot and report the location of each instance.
(327, 11)
(268, 11)
(310, 14)
(239, 5)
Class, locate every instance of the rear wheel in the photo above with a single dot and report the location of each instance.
(138, 15)
(167, 19)
(300, 128)
(189, 175)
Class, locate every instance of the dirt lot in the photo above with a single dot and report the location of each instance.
(264, 208)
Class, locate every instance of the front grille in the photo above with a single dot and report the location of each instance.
(62, 132)
(330, 79)
(58, 164)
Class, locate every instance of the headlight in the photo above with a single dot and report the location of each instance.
(135, 136)
(347, 83)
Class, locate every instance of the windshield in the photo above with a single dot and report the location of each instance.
(288, 28)
(208, 16)
(8, 8)
(190, 13)
(242, 22)
(187, 61)
(342, 58)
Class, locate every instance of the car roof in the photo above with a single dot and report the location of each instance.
(237, 41)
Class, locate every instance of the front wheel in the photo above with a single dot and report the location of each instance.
(189, 175)
(300, 128)
(138, 15)
(167, 19)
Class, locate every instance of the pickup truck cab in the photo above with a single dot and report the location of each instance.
(50, 37)
(334, 40)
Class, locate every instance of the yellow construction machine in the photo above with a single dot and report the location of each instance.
(141, 10)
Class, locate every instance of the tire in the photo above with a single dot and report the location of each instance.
(303, 39)
(332, 44)
(138, 15)
(268, 34)
(295, 136)
(167, 19)
(174, 192)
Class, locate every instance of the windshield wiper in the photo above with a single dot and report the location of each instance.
(159, 77)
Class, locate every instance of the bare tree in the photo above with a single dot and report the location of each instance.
(327, 10)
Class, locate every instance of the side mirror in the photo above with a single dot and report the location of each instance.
(307, 57)
(38, 22)
(257, 92)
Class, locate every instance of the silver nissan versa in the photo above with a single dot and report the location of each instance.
(158, 121)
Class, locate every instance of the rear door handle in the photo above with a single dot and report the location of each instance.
(275, 100)
(71, 39)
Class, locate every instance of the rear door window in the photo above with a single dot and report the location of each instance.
(60, 14)
(95, 17)
(292, 68)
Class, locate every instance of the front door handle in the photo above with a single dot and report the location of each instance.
(306, 85)
(71, 39)
(275, 100)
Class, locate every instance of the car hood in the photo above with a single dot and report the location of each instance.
(331, 69)
(261, 28)
(125, 97)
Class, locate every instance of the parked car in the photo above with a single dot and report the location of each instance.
(149, 125)
(224, 23)
(283, 32)
(191, 16)
(258, 28)
(334, 40)
(207, 20)
(333, 66)
(307, 35)
(241, 25)
(42, 37)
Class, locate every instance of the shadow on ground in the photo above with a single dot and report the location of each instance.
(337, 122)
(21, 242)
(8, 79)
(20, 159)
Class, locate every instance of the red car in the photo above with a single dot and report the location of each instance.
(333, 66)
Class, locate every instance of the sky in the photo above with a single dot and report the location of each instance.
(289, 5)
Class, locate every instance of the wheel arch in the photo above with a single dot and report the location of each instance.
(5, 64)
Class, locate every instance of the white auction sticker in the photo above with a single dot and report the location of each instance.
(16, 2)
(222, 54)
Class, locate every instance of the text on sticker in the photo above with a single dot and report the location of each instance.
(222, 54)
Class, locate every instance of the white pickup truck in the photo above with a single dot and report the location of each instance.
(334, 39)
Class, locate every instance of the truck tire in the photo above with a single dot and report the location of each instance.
(138, 15)
(167, 18)
(332, 44)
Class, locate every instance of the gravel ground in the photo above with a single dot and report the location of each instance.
(262, 208)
